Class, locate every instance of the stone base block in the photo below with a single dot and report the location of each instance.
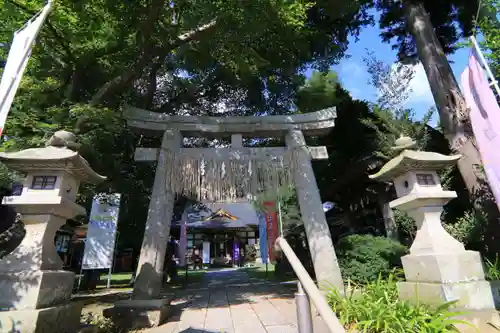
(29, 290)
(495, 290)
(474, 295)
(443, 268)
(60, 319)
(480, 321)
(136, 314)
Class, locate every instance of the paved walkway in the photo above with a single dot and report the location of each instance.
(228, 301)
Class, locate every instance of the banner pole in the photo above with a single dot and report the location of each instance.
(44, 14)
(80, 278)
(483, 61)
(280, 219)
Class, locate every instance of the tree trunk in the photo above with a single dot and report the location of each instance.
(391, 229)
(453, 113)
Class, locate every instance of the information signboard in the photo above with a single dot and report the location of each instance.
(101, 233)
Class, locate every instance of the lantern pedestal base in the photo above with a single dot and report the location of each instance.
(59, 319)
(35, 289)
(136, 314)
(474, 295)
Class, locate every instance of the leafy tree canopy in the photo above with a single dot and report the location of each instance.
(213, 57)
(451, 20)
(490, 28)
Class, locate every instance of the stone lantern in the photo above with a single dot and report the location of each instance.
(34, 290)
(438, 268)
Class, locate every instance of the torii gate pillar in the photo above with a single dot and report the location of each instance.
(149, 275)
(318, 234)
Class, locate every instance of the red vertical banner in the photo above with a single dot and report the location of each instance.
(271, 228)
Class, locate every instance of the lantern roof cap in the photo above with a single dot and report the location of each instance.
(413, 160)
(59, 154)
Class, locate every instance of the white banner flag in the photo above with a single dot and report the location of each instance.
(17, 60)
(101, 232)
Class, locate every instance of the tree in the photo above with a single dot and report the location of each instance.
(389, 123)
(182, 57)
(433, 29)
(343, 178)
(361, 142)
(391, 81)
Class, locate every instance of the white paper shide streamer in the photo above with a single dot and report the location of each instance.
(212, 178)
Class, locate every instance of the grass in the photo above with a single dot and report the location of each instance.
(122, 280)
(192, 276)
(259, 272)
(378, 309)
(118, 280)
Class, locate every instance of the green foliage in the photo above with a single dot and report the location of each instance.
(469, 229)
(350, 144)
(181, 57)
(375, 308)
(102, 324)
(451, 20)
(391, 124)
(318, 92)
(407, 227)
(492, 269)
(250, 253)
(392, 81)
(8, 177)
(363, 258)
(490, 29)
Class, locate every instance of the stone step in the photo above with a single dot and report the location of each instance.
(137, 314)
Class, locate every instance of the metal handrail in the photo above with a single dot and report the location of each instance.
(311, 290)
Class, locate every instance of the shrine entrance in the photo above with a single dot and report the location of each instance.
(229, 174)
(220, 231)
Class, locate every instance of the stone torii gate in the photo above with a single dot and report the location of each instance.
(173, 128)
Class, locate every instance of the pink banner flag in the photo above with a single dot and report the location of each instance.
(485, 120)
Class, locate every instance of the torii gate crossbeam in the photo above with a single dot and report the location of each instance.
(173, 128)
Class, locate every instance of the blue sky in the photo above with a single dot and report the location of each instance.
(354, 77)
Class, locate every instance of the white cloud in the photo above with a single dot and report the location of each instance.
(420, 89)
(354, 78)
(357, 93)
(351, 69)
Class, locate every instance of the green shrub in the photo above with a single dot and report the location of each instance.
(492, 269)
(376, 308)
(470, 230)
(407, 228)
(364, 257)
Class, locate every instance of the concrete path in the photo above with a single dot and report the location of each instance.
(230, 302)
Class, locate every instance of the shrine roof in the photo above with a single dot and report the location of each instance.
(51, 159)
(153, 123)
(413, 160)
(235, 215)
(218, 224)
